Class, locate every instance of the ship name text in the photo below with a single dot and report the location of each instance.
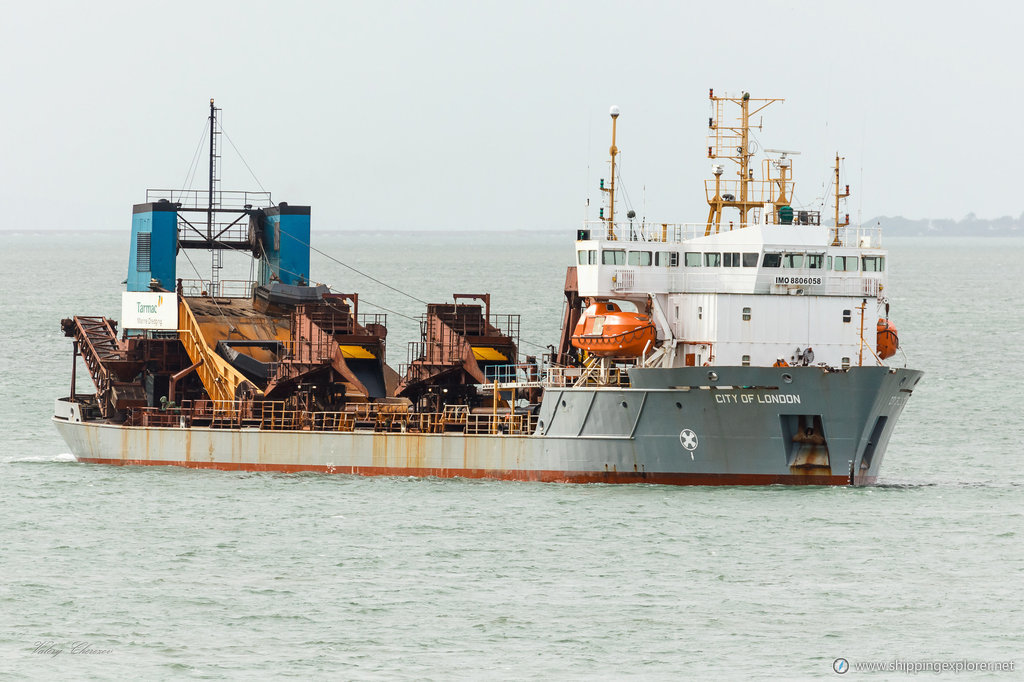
(755, 398)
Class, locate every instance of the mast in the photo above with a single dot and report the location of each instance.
(614, 112)
(839, 195)
(209, 196)
(216, 256)
(733, 142)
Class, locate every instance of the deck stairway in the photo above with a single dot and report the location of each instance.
(220, 379)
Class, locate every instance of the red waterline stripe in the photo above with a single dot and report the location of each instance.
(545, 476)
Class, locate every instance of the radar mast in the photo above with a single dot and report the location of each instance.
(730, 139)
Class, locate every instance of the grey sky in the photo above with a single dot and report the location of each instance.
(494, 115)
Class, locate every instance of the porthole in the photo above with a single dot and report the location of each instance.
(788, 378)
(563, 403)
(679, 406)
(713, 376)
(624, 404)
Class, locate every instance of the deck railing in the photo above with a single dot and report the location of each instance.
(375, 417)
(676, 233)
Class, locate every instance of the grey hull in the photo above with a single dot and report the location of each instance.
(722, 425)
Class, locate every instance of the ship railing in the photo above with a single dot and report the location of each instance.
(800, 217)
(758, 191)
(331, 421)
(595, 375)
(157, 417)
(507, 325)
(864, 237)
(366, 319)
(376, 417)
(560, 377)
(519, 375)
(417, 350)
(311, 351)
(232, 235)
(455, 414)
(200, 198)
(853, 286)
(226, 288)
(644, 231)
(508, 423)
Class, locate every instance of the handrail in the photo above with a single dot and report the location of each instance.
(376, 417)
(219, 378)
(865, 237)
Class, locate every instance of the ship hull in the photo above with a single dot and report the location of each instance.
(672, 426)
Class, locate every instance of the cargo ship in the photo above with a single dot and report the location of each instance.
(751, 348)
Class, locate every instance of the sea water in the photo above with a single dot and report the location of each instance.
(150, 572)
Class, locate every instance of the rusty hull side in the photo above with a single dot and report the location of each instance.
(625, 435)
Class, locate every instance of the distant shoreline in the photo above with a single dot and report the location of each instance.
(891, 227)
(969, 226)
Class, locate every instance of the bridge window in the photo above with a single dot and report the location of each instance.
(793, 260)
(667, 258)
(731, 260)
(588, 257)
(873, 263)
(846, 363)
(613, 257)
(815, 260)
(846, 316)
(772, 260)
(745, 361)
(845, 264)
(712, 260)
(750, 260)
(700, 312)
(692, 259)
(746, 314)
(639, 257)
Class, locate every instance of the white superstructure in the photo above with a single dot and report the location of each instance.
(772, 287)
(744, 297)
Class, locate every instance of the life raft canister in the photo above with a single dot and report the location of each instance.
(886, 340)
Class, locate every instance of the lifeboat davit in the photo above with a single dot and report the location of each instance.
(607, 330)
(886, 341)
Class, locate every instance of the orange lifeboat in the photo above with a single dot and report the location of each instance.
(606, 330)
(886, 341)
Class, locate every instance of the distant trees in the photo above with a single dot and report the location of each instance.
(970, 225)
